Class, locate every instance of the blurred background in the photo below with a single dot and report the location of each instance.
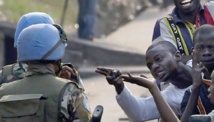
(123, 31)
(110, 16)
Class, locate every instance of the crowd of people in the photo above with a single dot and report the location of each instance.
(39, 87)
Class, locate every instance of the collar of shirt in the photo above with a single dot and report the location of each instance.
(34, 69)
(176, 17)
(208, 82)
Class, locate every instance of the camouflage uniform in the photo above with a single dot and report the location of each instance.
(74, 105)
(17, 71)
(12, 72)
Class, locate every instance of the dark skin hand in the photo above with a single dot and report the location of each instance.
(141, 81)
(113, 77)
(197, 69)
(67, 72)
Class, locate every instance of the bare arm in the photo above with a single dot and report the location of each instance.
(190, 105)
(197, 79)
(164, 109)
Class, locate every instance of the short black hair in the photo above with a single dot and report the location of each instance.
(167, 45)
(204, 29)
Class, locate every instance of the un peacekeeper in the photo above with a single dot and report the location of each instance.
(16, 71)
(42, 46)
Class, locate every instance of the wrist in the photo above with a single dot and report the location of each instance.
(119, 87)
(195, 88)
(153, 88)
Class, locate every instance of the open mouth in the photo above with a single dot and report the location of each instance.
(186, 2)
(160, 74)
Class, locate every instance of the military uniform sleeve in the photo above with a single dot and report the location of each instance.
(82, 108)
(76, 77)
(75, 104)
(79, 81)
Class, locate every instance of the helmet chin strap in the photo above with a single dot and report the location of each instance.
(63, 39)
(52, 49)
(59, 67)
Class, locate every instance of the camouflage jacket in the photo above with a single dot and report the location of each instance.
(17, 71)
(74, 103)
(12, 72)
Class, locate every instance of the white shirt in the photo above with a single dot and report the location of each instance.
(142, 109)
(211, 114)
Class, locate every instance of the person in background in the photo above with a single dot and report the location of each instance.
(178, 27)
(196, 99)
(86, 19)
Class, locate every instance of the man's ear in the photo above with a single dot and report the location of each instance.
(178, 56)
(192, 50)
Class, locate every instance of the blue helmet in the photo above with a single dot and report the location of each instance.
(30, 19)
(41, 42)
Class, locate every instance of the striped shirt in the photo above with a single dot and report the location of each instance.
(185, 29)
(204, 106)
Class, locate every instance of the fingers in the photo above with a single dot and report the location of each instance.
(194, 59)
(201, 67)
(129, 75)
(65, 74)
(144, 76)
(106, 69)
(125, 77)
(101, 72)
(67, 68)
(112, 80)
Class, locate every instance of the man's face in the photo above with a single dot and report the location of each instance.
(161, 62)
(186, 6)
(204, 50)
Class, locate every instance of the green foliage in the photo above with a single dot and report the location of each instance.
(14, 9)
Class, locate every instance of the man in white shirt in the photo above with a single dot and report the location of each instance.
(163, 60)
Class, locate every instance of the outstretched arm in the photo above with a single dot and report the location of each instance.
(164, 109)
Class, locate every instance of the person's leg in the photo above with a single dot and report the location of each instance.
(10, 53)
(81, 15)
(90, 19)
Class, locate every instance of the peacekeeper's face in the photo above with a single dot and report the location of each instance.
(187, 6)
(204, 50)
(161, 62)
